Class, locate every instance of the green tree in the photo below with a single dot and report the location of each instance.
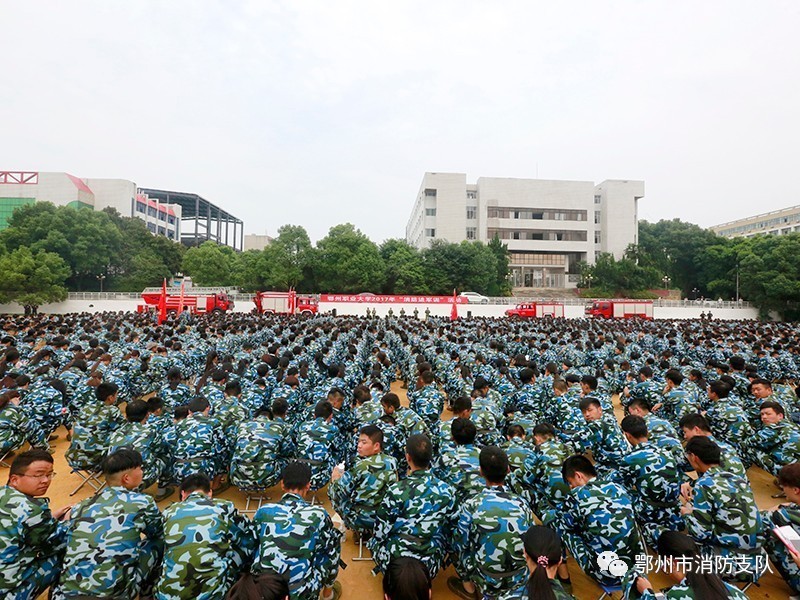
(251, 270)
(88, 241)
(32, 278)
(210, 264)
(624, 278)
(403, 271)
(348, 261)
(501, 285)
(468, 266)
(288, 260)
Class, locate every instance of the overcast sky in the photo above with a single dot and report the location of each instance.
(318, 113)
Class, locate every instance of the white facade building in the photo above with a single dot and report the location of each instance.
(548, 226)
(777, 222)
(62, 189)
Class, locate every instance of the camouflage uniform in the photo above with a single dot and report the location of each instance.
(539, 480)
(428, 403)
(263, 448)
(31, 542)
(786, 514)
(180, 395)
(415, 519)
(45, 405)
(357, 495)
(518, 451)
(207, 543)
(114, 545)
(198, 447)
(90, 434)
(487, 543)
(675, 404)
(680, 591)
(16, 428)
(299, 540)
(594, 518)
(725, 520)
(314, 443)
(605, 440)
(461, 469)
(728, 421)
(730, 459)
(145, 439)
(368, 413)
(653, 480)
(774, 446)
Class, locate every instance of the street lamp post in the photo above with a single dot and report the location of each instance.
(589, 278)
(737, 281)
(101, 278)
(666, 281)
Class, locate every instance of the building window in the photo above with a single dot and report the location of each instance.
(598, 199)
(596, 217)
(597, 237)
(472, 195)
(430, 233)
(472, 212)
(430, 212)
(171, 220)
(515, 235)
(151, 227)
(162, 231)
(429, 193)
(472, 233)
(171, 235)
(152, 212)
(141, 207)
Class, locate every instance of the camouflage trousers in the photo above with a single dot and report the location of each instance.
(38, 581)
(654, 520)
(782, 560)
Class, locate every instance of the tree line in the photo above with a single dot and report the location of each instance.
(48, 250)
(763, 269)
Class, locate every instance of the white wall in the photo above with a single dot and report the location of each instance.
(355, 308)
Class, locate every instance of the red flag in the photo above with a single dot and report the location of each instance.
(454, 310)
(162, 304)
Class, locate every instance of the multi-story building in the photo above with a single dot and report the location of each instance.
(62, 189)
(549, 226)
(777, 222)
(185, 217)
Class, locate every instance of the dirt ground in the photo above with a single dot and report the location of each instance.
(357, 579)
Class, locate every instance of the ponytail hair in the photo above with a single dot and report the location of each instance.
(262, 586)
(543, 546)
(406, 579)
(706, 586)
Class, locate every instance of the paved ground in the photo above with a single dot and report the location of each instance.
(357, 580)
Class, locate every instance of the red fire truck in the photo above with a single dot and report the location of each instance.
(196, 300)
(620, 309)
(285, 303)
(530, 310)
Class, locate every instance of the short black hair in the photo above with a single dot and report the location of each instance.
(641, 403)
(373, 432)
(391, 399)
(233, 388)
(674, 376)
(121, 460)
(323, 410)
(494, 464)
(692, 420)
(24, 460)
(136, 411)
(464, 431)
(577, 464)
(419, 448)
(588, 402)
(635, 426)
(105, 390)
(406, 578)
(515, 431)
(720, 388)
(789, 475)
(545, 430)
(198, 404)
(280, 407)
(461, 404)
(774, 406)
(704, 449)
(196, 482)
(296, 475)
(590, 380)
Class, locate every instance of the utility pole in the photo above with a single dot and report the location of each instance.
(737, 281)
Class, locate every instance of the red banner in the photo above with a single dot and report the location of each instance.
(358, 298)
